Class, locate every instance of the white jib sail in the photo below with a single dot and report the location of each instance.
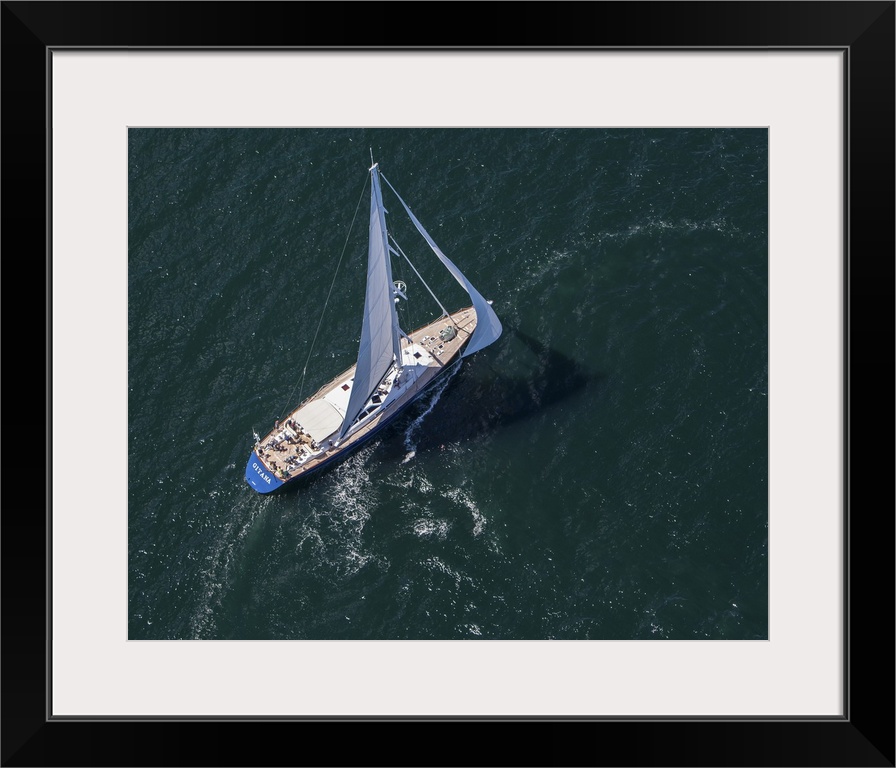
(380, 342)
(488, 326)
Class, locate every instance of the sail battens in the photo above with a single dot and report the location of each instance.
(488, 326)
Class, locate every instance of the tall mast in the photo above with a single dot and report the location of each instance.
(387, 261)
(380, 345)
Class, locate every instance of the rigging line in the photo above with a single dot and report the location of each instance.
(397, 269)
(327, 300)
(400, 252)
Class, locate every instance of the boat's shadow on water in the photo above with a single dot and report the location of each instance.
(481, 399)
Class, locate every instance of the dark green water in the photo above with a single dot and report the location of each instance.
(600, 472)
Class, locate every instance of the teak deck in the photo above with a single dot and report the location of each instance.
(443, 353)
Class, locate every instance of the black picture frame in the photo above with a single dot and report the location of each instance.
(864, 31)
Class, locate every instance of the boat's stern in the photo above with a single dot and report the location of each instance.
(260, 477)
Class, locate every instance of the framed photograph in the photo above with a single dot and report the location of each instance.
(639, 507)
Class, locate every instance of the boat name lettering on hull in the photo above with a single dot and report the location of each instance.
(263, 475)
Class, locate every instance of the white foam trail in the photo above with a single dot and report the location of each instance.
(215, 578)
(409, 443)
(426, 528)
(349, 509)
(460, 496)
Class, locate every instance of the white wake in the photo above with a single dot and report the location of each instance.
(414, 426)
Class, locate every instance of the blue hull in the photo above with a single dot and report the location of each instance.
(260, 478)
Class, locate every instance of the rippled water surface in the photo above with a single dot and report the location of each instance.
(600, 472)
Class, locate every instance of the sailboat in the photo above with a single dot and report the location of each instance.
(394, 367)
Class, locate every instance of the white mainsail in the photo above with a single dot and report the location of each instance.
(488, 326)
(380, 340)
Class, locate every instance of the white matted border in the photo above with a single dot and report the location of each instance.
(798, 96)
